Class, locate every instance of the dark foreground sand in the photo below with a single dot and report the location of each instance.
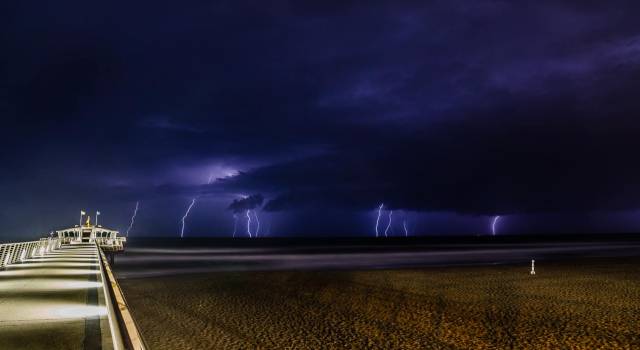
(586, 304)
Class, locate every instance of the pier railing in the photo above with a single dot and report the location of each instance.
(125, 325)
(11, 253)
(111, 244)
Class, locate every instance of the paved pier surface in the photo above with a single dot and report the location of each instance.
(55, 302)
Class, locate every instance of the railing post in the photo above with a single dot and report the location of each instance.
(11, 253)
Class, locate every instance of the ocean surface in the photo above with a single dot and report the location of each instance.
(163, 257)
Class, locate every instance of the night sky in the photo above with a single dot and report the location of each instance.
(448, 112)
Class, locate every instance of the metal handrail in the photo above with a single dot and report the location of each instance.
(116, 243)
(128, 328)
(11, 253)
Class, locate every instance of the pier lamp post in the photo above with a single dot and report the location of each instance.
(97, 214)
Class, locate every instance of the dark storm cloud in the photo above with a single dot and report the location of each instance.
(539, 154)
(167, 124)
(247, 203)
(476, 107)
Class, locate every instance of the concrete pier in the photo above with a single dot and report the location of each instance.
(55, 301)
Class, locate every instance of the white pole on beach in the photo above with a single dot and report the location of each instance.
(533, 267)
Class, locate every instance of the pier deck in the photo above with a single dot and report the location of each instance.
(55, 301)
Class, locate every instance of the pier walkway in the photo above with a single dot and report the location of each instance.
(63, 298)
(55, 301)
(59, 292)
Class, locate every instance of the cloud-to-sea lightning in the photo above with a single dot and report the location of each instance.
(494, 224)
(388, 224)
(378, 218)
(249, 223)
(255, 215)
(133, 218)
(404, 226)
(193, 201)
(244, 206)
(235, 224)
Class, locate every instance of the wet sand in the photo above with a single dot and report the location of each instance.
(582, 303)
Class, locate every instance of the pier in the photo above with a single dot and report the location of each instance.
(59, 293)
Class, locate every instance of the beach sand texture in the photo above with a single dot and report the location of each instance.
(585, 305)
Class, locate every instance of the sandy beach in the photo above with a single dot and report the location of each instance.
(578, 304)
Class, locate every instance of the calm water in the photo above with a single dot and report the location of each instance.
(154, 258)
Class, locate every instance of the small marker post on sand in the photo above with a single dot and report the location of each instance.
(533, 267)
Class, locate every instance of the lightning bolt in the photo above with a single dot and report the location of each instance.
(404, 226)
(378, 218)
(255, 214)
(235, 224)
(494, 224)
(133, 218)
(388, 224)
(248, 223)
(193, 202)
